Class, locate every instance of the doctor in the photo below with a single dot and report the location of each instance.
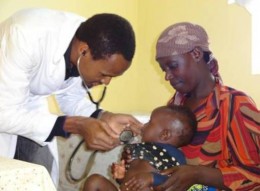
(44, 52)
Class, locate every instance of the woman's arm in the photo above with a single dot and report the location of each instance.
(183, 177)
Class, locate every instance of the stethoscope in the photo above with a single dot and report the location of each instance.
(125, 137)
(97, 103)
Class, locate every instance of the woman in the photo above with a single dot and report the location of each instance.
(225, 150)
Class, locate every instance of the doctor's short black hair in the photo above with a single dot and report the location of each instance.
(108, 34)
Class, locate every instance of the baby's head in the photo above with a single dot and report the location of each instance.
(173, 125)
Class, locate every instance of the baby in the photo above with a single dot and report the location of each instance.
(169, 128)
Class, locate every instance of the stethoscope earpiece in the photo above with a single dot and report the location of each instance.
(97, 103)
(84, 53)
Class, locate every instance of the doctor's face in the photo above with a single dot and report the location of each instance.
(101, 71)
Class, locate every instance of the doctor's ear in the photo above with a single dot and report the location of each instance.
(84, 52)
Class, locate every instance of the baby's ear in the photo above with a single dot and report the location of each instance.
(165, 135)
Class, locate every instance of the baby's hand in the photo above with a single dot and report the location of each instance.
(118, 170)
(127, 154)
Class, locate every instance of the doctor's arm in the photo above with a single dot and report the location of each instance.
(99, 128)
(97, 133)
(22, 113)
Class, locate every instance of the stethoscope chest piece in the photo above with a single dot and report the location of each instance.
(126, 136)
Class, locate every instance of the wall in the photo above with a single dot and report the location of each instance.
(143, 87)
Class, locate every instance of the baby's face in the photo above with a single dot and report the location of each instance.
(162, 121)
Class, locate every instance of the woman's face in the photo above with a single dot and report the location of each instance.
(181, 71)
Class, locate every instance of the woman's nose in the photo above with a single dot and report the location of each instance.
(106, 80)
(168, 75)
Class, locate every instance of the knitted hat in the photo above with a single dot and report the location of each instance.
(181, 38)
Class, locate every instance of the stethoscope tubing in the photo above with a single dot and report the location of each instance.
(89, 165)
(68, 170)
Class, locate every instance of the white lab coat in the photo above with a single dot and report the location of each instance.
(32, 67)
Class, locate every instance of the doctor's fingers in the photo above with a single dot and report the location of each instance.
(100, 143)
(127, 122)
(136, 130)
(110, 131)
(135, 125)
(98, 139)
(132, 121)
(125, 119)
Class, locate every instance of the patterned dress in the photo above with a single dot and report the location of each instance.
(228, 137)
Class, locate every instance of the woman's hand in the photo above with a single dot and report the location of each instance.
(184, 176)
(180, 178)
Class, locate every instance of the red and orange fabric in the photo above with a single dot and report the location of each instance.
(228, 137)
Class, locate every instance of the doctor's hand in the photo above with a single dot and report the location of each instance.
(119, 122)
(97, 134)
